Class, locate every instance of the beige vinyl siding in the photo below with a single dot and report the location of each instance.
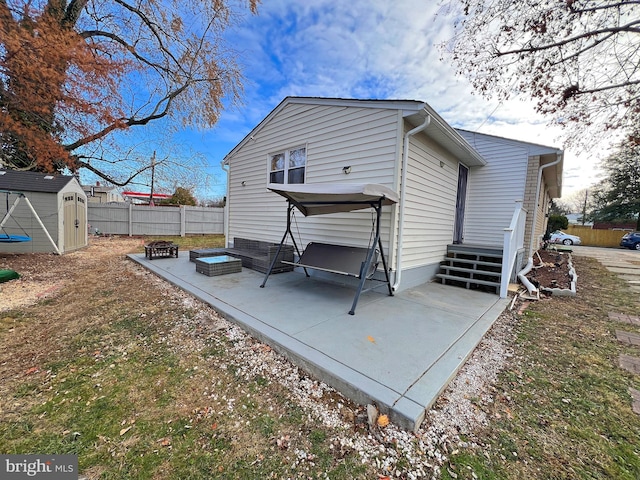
(493, 189)
(430, 203)
(335, 137)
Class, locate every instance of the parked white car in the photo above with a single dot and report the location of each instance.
(564, 238)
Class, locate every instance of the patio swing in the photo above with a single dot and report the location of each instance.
(6, 237)
(320, 199)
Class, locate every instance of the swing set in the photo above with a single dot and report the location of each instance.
(6, 237)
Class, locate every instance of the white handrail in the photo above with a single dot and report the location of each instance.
(513, 241)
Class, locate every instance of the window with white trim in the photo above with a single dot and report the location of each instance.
(288, 166)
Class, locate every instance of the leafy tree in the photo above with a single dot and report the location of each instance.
(557, 222)
(617, 196)
(182, 196)
(73, 73)
(577, 58)
(215, 202)
(557, 208)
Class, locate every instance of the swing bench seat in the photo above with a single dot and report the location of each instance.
(321, 199)
(340, 259)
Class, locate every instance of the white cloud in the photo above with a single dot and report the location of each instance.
(373, 49)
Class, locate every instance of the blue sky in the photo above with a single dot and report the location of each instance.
(363, 49)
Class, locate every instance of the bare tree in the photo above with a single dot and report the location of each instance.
(577, 58)
(75, 73)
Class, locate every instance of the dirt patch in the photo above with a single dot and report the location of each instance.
(42, 274)
(550, 270)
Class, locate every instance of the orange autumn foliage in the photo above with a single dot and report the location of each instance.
(73, 73)
(53, 83)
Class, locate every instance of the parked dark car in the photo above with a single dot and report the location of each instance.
(631, 240)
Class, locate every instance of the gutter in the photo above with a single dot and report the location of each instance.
(535, 205)
(522, 274)
(403, 177)
(224, 164)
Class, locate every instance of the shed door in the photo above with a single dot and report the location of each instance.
(75, 219)
(463, 175)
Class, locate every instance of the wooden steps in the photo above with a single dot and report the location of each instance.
(474, 267)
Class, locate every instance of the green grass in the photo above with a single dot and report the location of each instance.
(137, 391)
(562, 408)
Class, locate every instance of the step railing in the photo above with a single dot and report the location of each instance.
(513, 241)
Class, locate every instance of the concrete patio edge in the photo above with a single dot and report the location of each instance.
(406, 408)
(402, 411)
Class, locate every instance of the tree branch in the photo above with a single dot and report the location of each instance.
(604, 7)
(152, 26)
(160, 110)
(119, 183)
(73, 12)
(611, 31)
(130, 48)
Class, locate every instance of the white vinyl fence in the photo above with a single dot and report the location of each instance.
(129, 219)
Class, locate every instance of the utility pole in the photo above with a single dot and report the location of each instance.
(584, 206)
(153, 172)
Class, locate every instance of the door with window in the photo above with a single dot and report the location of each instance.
(75, 221)
(458, 229)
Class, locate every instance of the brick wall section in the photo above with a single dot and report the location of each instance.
(530, 197)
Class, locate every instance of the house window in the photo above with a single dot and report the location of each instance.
(288, 166)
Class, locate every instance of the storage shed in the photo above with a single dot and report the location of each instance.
(60, 208)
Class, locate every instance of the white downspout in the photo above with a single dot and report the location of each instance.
(535, 205)
(522, 274)
(403, 178)
(226, 207)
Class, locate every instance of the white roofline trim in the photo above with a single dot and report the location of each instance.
(408, 107)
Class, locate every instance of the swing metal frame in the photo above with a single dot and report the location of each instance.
(320, 199)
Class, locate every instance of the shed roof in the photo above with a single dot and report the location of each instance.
(18, 181)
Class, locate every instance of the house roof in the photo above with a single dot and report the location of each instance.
(98, 188)
(552, 175)
(18, 181)
(413, 111)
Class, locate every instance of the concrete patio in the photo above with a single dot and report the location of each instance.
(398, 352)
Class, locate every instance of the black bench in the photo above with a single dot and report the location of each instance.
(258, 255)
(358, 262)
(340, 259)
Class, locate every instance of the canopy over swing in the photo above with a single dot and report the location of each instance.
(320, 199)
